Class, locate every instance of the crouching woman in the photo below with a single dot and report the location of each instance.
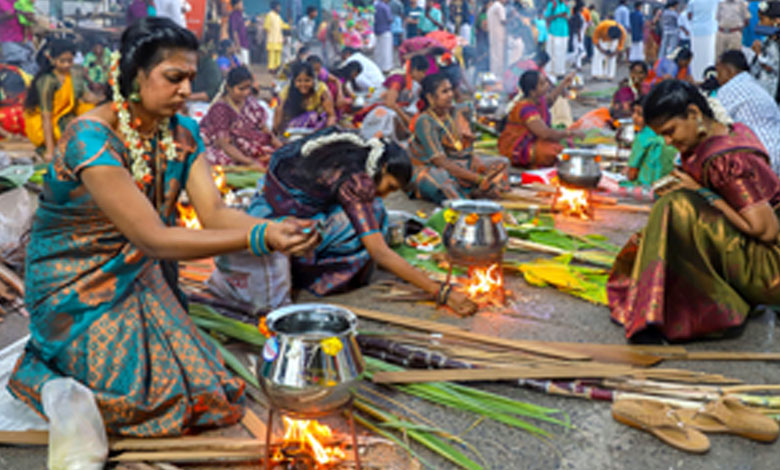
(710, 250)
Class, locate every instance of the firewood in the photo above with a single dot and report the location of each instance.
(25, 438)
(11, 279)
(190, 456)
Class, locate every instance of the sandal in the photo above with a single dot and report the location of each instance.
(660, 420)
(728, 415)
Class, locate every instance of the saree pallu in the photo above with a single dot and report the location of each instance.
(309, 120)
(64, 106)
(691, 273)
(340, 262)
(107, 315)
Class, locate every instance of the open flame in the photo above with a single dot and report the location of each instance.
(312, 437)
(573, 202)
(484, 285)
(188, 218)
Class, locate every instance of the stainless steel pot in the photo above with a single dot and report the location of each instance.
(579, 167)
(312, 361)
(626, 133)
(475, 233)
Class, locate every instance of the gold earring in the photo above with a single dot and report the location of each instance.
(701, 129)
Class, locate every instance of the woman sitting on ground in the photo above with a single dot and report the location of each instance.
(56, 96)
(234, 129)
(101, 285)
(304, 103)
(333, 82)
(676, 65)
(528, 140)
(392, 115)
(710, 251)
(630, 90)
(445, 166)
(339, 179)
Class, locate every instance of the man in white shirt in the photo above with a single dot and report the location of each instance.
(701, 14)
(496, 21)
(371, 76)
(173, 9)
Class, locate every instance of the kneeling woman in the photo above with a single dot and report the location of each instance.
(445, 166)
(55, 97)
(305, 102)
(338, 178)
(710, 250)
(234, 129)
(101, 283)
(527, 139)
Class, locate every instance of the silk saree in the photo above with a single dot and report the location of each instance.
(691, 273)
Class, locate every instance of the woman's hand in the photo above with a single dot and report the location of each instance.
(686, 181)
(293, 236)
(461, 304)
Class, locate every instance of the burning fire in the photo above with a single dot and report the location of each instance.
(311, 437)
(573, 201)
(187, 216)
(485, 285)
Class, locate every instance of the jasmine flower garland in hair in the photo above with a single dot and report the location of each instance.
(128, 130)
(372, 161)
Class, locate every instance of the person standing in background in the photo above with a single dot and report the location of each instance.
(173, 9)
(623, 16)
(306, 31)
(431, 19)
(595, 19)
(701, 14)
(557, 15)
(397, 26)
(413, 14)
(383, 50)
(685, 29)
(608, 39)
(238, 31)
(496, 25)
(732, 17)
(670, 28)
(637, 20)
(274, 40)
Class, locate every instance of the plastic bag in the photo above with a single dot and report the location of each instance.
(77, 435)
(263, 282)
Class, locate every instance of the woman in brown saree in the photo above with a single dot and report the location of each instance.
(710, 251)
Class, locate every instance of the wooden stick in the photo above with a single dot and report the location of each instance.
(253, 424)
(187, 442)
(536, 347)
(25, 438)
(624, 208)
(495, 374)
(188, 456)
(730, 356)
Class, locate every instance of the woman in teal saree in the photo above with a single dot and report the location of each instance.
(710, 251)
(101, 273)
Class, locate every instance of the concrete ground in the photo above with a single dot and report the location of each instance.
(596, 442)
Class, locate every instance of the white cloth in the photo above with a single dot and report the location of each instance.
(604, 66)
(14, 414)
(496, 23)
(371, 76)
(579, 51)
(637, 51)
(747, 102)
(702, 19)
(684, 22)
(557, 49)
(703, 48)
(171, 9)
(383, 51)
(245, 57)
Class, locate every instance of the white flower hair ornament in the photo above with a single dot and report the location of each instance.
(763, 7)
(377, 148)
(720, 113)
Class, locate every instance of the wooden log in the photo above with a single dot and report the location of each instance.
(535, 347)
(25, 438)
(189, 456)
(624, 208)
(187, 442)
(253, 424)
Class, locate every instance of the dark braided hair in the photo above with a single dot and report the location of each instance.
(145, 44)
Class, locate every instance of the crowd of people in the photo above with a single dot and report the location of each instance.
(346, 129)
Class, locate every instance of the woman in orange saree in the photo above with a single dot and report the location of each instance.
(710, 251)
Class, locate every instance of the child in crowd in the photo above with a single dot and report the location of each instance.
(651, 159)
(227, 56)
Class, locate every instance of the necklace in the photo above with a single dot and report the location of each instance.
(455, 142)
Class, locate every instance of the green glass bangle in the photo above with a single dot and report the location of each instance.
(253, 238)
(263, 242)
(708, 195)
